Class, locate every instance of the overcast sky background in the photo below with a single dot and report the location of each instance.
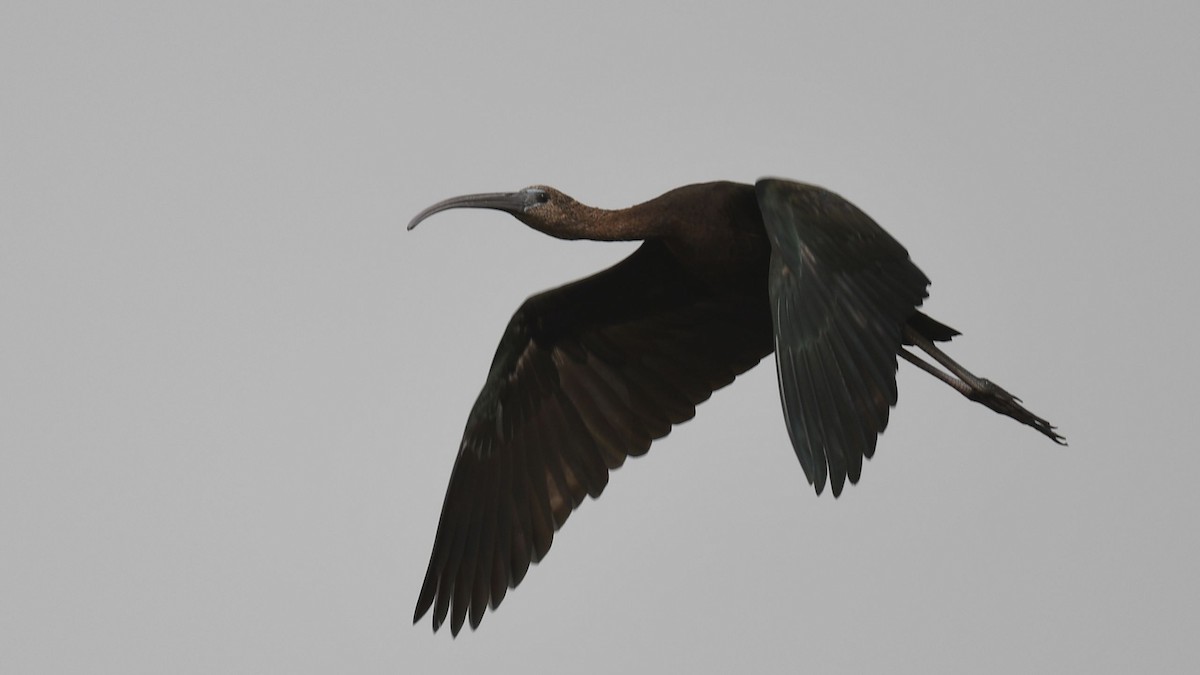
(232, 386)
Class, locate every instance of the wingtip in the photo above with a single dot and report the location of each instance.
(424, 602)
(818, 485)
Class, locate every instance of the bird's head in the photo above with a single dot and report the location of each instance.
(539, 206)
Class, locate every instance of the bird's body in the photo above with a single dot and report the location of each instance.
(592, 372)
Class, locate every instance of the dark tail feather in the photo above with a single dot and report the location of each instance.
(930, 328)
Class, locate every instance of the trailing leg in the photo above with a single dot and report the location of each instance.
(975, 388)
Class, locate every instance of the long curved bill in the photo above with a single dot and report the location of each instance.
(512, 202)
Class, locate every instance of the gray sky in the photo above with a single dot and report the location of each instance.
(232, 386)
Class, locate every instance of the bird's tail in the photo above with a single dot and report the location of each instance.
(930, 328)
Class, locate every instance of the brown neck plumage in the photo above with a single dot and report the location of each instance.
(566, 218)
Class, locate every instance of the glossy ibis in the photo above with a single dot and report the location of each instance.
(592, 372)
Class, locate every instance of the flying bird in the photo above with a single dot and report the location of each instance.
(592, 372)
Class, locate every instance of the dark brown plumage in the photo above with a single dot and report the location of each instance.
(592, 372)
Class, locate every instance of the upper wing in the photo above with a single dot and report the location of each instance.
(585, 375)
(841, 292)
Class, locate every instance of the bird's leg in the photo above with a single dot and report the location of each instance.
(975, 388)
(959, 386)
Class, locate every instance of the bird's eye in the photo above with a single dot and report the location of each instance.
(542, 197)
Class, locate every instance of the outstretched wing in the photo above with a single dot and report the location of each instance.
(841, 292)
(585, 375)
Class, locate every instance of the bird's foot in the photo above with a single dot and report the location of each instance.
(995, 397)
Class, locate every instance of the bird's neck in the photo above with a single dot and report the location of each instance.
(643, 221)
(648, 220)
(588, 222)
